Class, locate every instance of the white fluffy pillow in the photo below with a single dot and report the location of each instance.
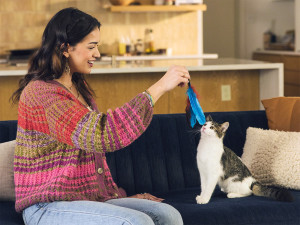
(273, 157)
(7, 186)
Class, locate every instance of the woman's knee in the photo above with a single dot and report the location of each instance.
(167, 214)
(138, 218)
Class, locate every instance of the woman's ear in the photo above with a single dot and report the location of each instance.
(65, 50)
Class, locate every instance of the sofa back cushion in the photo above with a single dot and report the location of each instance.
(164, 157)
(8, 130)
(283, 113)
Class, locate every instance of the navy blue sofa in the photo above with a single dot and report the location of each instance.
(163, 162)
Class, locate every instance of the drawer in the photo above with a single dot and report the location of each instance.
(267, 57)
(291, 90)
(292, 77)
(291, 62)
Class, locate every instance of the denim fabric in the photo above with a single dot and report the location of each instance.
(125, 211)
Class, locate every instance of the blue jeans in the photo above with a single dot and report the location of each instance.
(125, 211)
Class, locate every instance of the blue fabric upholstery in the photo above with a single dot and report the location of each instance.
(164, 157)
(163, 162)
(8, 130)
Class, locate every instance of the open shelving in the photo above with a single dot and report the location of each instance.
(159, 8)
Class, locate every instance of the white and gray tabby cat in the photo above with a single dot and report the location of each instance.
(218, 165)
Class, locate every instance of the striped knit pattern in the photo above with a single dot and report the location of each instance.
(61, 144)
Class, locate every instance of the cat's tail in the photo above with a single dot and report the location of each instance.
(278, 194)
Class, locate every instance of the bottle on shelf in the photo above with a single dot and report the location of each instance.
(149, 41)
(122, 46)
(128, 46)
(139, 47)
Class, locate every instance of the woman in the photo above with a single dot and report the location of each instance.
(61, 174)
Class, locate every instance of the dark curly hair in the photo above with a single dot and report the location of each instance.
(67, 27)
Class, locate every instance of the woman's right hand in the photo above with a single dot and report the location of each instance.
(147, 196)
(175, 76)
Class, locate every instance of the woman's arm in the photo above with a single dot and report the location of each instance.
(73, 124)
(51, 109)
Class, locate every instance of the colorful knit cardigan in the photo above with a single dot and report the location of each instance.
(61, 145)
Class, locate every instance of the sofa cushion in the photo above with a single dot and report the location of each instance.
(8, 214)
(273, 157)
(283, 113)
(8, 130)
(7, 187)
(164, 157)
(222, 210)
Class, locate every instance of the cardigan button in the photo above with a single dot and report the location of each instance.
(116, 195)
(100, 170)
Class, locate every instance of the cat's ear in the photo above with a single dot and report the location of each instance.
(224, 126)
(208, 118)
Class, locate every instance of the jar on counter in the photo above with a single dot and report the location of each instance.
(159, 2)
(169, 2)
(139, 47)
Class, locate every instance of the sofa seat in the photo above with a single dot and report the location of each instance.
(220, 210)
(239, 211)
(8, 214)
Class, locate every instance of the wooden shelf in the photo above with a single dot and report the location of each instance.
(158, 8)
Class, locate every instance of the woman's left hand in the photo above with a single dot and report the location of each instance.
(175, 76)
(147, 196)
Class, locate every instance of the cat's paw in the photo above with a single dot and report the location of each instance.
(235, 195)
(201, 200)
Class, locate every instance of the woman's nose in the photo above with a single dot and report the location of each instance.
(97, 53)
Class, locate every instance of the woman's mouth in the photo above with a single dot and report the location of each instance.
(91, 63)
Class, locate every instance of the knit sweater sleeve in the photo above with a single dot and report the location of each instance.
(53, 110)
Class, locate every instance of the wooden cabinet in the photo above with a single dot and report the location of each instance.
(196, 19)
(114, 89)
(291, 70)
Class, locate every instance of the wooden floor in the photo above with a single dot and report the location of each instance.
(113, 90)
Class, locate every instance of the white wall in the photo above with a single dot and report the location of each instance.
(219, 27)
(297, 25)
(257, 17)
(234, 28)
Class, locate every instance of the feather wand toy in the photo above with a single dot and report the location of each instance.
(193, 109)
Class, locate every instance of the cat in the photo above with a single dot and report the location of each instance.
(218, 165)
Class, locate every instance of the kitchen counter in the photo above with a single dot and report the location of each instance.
(249, 82)
(276, 52)
(160, 66)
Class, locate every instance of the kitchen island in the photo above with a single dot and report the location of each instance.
(244, 84)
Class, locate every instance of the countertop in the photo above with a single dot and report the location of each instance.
(160, 66)
(274, 52)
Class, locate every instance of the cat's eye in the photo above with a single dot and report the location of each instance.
(211, 127)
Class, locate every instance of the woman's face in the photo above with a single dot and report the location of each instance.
(82, 56)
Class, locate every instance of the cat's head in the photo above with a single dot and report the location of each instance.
(214, 129)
